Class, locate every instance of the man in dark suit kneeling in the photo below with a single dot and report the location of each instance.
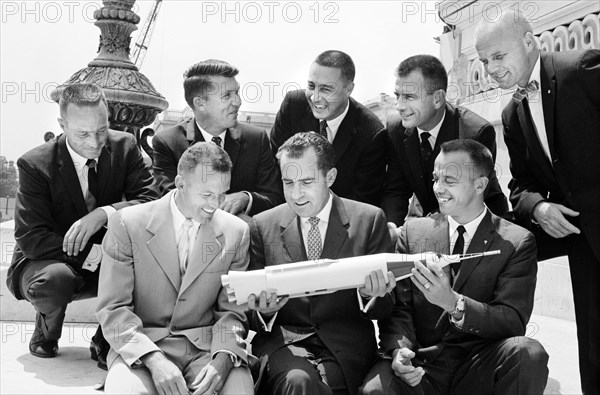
(68, 188)
(460, 329)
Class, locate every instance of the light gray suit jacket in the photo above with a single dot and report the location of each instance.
(142, 298)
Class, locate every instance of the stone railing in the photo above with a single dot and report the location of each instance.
(580, 34)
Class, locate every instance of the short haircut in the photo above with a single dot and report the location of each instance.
(197, 78)
(81, 94)
(479, 154)
(338, 60)
(295, 146)
(432, 69)
(204, 154)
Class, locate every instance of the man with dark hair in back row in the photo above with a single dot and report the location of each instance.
(357, 135)
(425, 121)
(68, 188)
(212, 92)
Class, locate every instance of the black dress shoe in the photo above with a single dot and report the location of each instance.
(99, 349)
(41, 347)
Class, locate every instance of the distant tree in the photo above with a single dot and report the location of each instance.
(8, 178)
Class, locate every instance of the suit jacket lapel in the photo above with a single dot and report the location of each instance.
(207, 247)
(337, 230)
(533, 142)
(548, 94)
(311, 124)
(448, 130)
(163, 244)
(193, 133)
(291, 237)
(104, 172)
(69, 176)
(481, 241)
(232, 145)
(346, 132)
(412, 149)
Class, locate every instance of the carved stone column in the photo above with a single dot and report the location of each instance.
(132, 100)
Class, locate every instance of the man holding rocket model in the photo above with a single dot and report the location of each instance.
(320, 344)
(462, 328)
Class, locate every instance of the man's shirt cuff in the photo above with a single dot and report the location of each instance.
(458, 323)
(92, 261)
(361, 302)
(109, 210)
(266, 326)
(237, 361)
(249, 207)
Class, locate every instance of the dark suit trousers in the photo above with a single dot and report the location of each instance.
(585, 279)
(517, 365)
(306, 367)
(50, 286)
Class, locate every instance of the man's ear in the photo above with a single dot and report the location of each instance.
(350, 88)
(529, 41)
(198, 103)
(481, 183)
(61, 122)
(179, 182)
(439, 99)
(330, 176)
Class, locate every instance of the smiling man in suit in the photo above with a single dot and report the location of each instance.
(68, 188)
(460, 329)
(356, 133)
(319, 344)
(551, 131)
(161, 304)
(212, 92)
(425, 121)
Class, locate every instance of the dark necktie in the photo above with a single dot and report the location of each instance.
(459, 247)
(92, 176)
(217, 140)
(426, 153)
(323, 129)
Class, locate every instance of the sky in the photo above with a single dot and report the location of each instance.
(273, 43)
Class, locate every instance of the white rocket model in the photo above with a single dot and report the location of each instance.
(325, 276)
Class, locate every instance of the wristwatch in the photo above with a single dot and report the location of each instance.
(460, 306)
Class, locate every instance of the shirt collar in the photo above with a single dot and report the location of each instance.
(436, 129)
(208, 137)
(470, 227)
(536, 72)
(334, 124)
(78, 160)
(323, 215)
(178, 217)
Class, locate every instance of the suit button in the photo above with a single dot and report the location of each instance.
(447, 334)
(477, 330)
(173, 328)
(316, 326)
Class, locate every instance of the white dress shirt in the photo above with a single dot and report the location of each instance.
(178, 220)
(433, 132)
(470, 229)
(79, 162)
(334, 125)
(537, 109)
(208, 138)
